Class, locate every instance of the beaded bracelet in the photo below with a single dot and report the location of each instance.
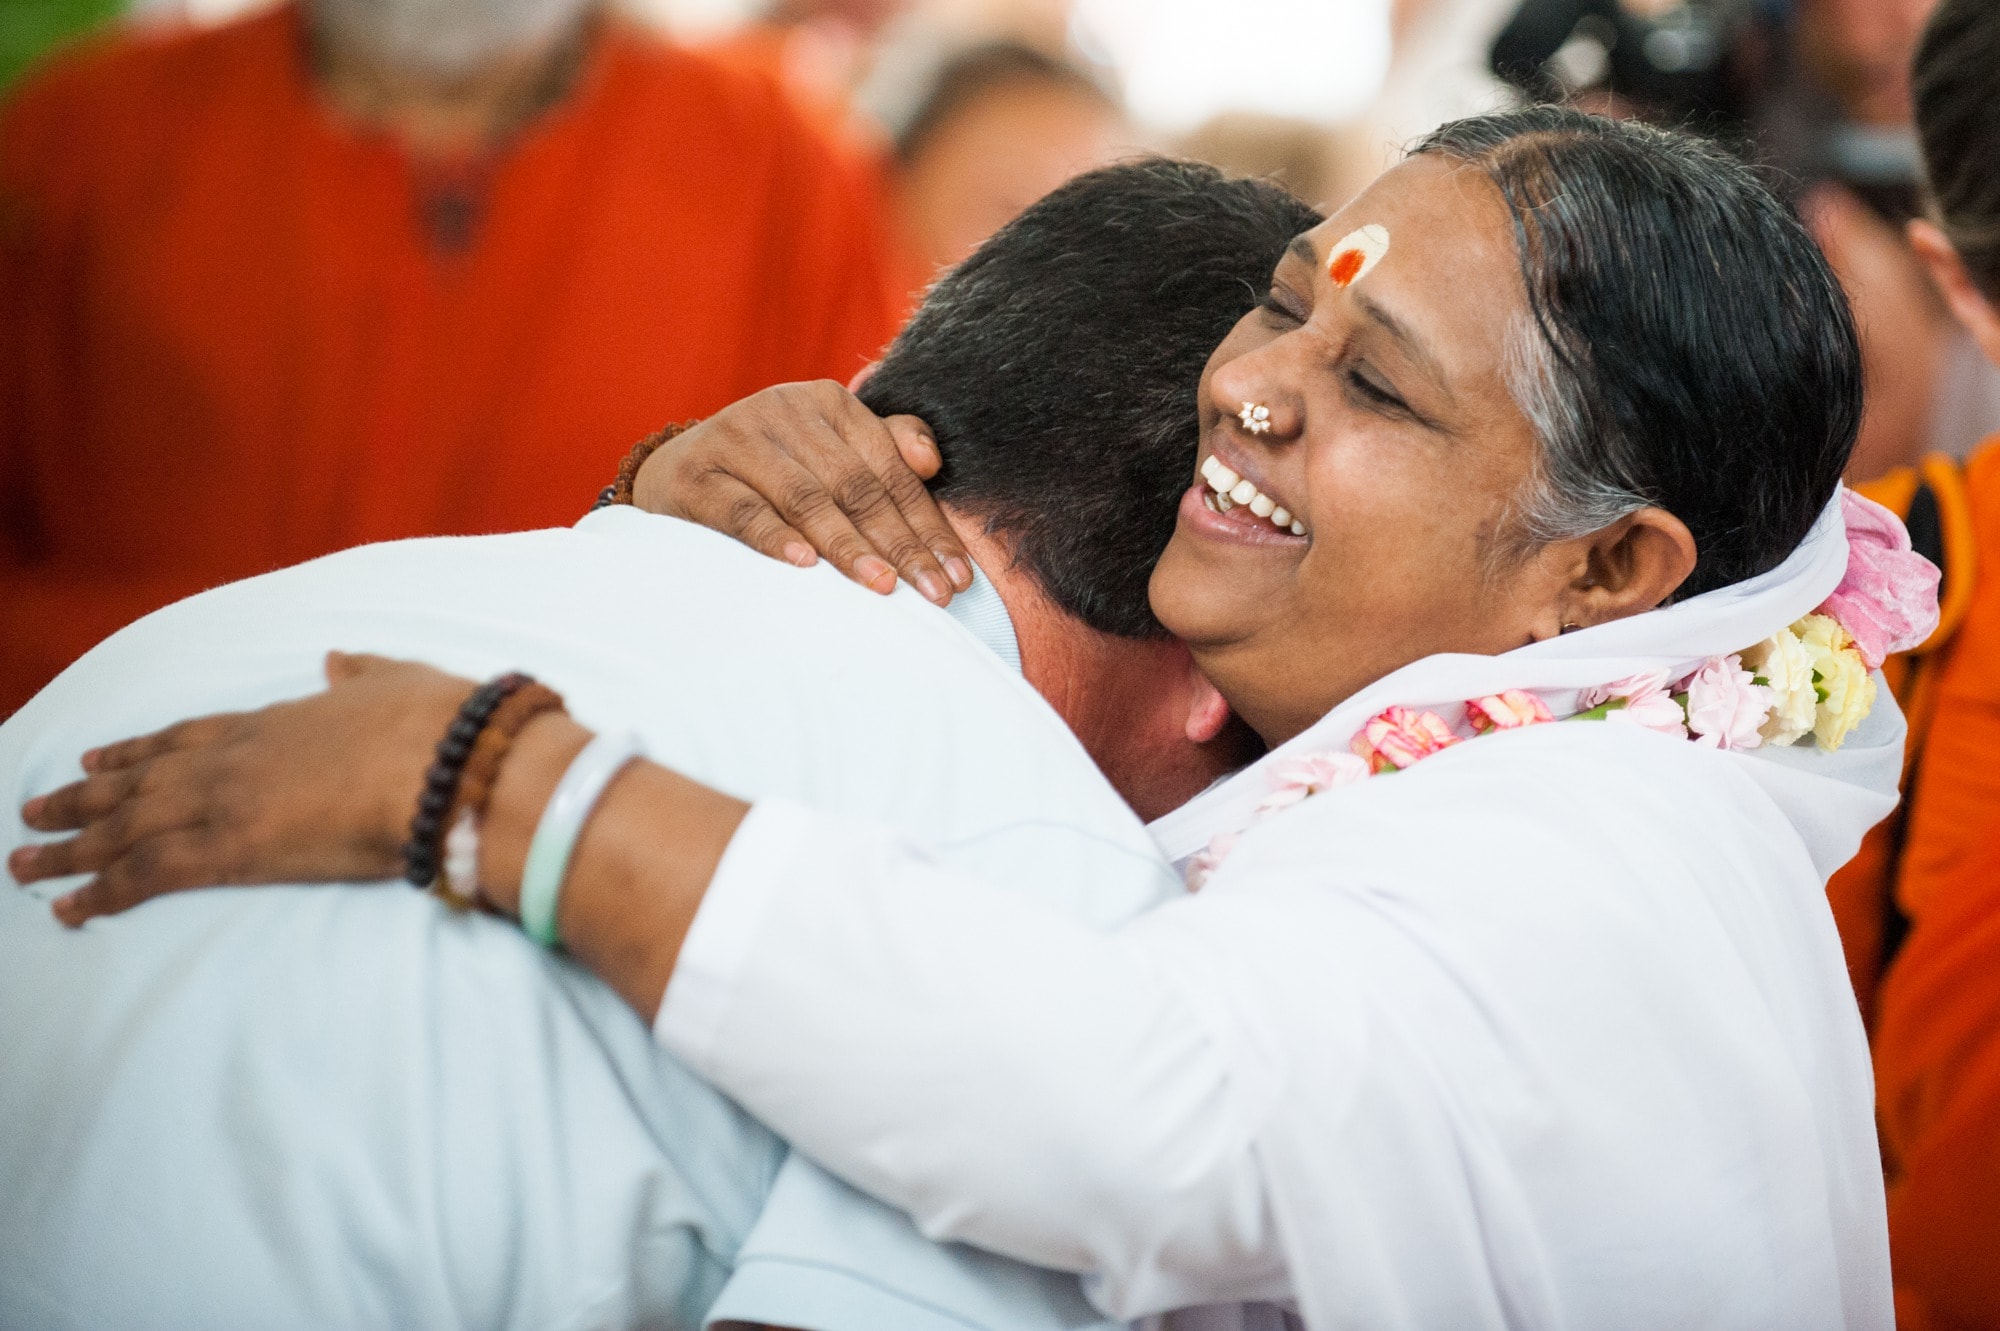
(458, 882)
(620, 490)
(423, 853)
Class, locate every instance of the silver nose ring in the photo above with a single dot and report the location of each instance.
(1256, 417)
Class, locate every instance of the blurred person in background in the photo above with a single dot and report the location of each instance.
(1818, 89)
(818, 51)
(1843, 122)
(1921, 906)
(1438, 71)
(1325, 167)
(352, 270)
(1002, 125)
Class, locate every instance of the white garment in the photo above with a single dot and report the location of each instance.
(345, 1106)
(1551, 1030)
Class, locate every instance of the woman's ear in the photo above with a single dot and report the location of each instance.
(1630, 567)
(1968, 303)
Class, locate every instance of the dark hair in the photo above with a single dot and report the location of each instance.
(1689, 346)
(1059, 366)
(1957, 92)
(979, 70)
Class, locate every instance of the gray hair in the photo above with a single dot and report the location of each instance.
(1688, 346)
(1578, 483)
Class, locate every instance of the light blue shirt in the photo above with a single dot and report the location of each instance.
(323, 1107)
(984, 615)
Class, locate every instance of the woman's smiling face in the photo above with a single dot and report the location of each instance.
(1391, 441)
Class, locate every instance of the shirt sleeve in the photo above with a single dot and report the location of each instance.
(1009, 1077)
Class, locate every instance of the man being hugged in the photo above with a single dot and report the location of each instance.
(359, 1108)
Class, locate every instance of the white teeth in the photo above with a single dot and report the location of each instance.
(1220, 478)
(1227, 489)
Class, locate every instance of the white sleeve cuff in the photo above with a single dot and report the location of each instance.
(752, 873)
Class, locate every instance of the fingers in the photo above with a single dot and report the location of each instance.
(80, 802)
(342, 667)
(919, 454)
(114, 810)
(806, 467)
(188, 734)
(819, 514)
(914, 444)
(854, 458)
(740, 511)
(170, 862)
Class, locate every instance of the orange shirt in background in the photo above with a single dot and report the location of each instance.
(232, 342)
(1937, 1015)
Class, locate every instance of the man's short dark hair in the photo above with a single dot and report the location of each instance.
(1058, 367)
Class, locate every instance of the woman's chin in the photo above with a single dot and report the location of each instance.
(1209, 595)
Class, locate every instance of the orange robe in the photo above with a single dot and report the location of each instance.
(230, 341)
(1937, 1018)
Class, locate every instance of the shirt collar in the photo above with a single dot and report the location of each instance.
(984, 615)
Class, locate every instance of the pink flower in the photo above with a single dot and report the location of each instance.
(1726, 708)
(1647, 702)
(1203, 864)
(1309, 774)
(1398, 737)
(1887, 600)
(1508, 710)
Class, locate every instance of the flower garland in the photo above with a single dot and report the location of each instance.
(1811, 679)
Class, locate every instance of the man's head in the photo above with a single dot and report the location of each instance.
(1058, 367)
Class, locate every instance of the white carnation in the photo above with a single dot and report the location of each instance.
(1782, 662)
(1846, 689)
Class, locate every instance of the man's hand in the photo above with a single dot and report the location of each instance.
(317, 790)
(805, 468)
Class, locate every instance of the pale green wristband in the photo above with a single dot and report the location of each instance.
(562, 823)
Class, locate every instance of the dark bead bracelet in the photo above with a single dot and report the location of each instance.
(423, 853)
(620, 490)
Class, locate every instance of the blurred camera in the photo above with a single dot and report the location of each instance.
(1694, 63)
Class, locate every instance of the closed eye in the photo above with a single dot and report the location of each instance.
(1283, 305)
(1376, 396)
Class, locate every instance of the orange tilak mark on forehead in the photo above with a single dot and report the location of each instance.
(1357, 252)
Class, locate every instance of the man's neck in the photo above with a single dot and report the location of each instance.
(446, 119)
(1135, 704)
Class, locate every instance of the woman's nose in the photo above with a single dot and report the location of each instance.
(1252, 397)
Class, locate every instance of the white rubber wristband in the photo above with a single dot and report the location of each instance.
(562, 823)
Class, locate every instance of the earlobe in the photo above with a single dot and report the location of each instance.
(1208, 710)
(1635, 565)
(1947, 270)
